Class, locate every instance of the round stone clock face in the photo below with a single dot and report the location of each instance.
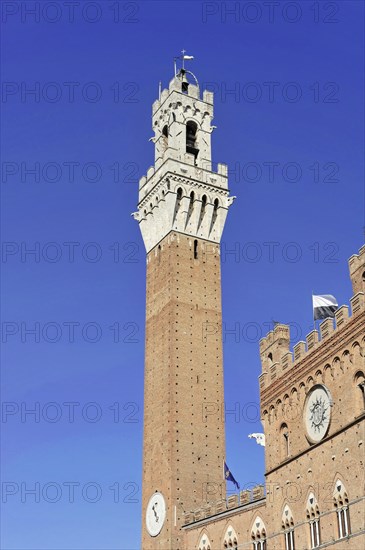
(155, 514)
(317, 413)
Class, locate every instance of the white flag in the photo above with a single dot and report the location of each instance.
(324, 305)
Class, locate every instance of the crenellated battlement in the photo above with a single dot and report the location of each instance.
(274, 346)
(276, 357)
(175, 85)
(302, 349)
(237, 500)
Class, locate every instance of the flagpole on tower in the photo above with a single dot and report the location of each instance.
(183, 58)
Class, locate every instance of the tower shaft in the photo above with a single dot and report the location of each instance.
(183, 424)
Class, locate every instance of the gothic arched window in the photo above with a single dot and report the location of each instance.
(341, 502)
(204, 543)
(258, 534)
(230, 538)
(313, 518)
(287, 524)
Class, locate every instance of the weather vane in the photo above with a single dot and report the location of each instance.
(183, 58)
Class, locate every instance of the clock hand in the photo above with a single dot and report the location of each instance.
(154, 511)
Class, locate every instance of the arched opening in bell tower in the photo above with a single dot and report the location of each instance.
(191, 130)
(165, 137)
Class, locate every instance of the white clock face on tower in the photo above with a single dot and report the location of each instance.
(155, 514)
(317, 413)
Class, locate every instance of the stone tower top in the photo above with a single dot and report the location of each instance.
(181, 103)
(181, 192)
(274, 346)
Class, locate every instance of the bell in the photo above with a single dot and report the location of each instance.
(184, 81)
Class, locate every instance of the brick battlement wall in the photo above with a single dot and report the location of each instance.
(304, 352)
(276, 358)
(243, 498)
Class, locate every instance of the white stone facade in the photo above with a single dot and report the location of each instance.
(181, 192)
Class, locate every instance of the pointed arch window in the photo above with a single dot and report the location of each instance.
(230, 539)
(204, 543)
(258, 535)
(313, 518)
(341, 502)
(288, 526)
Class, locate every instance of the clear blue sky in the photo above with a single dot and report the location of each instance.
(95, 83)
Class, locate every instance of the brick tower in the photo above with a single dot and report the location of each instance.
(182, 209)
